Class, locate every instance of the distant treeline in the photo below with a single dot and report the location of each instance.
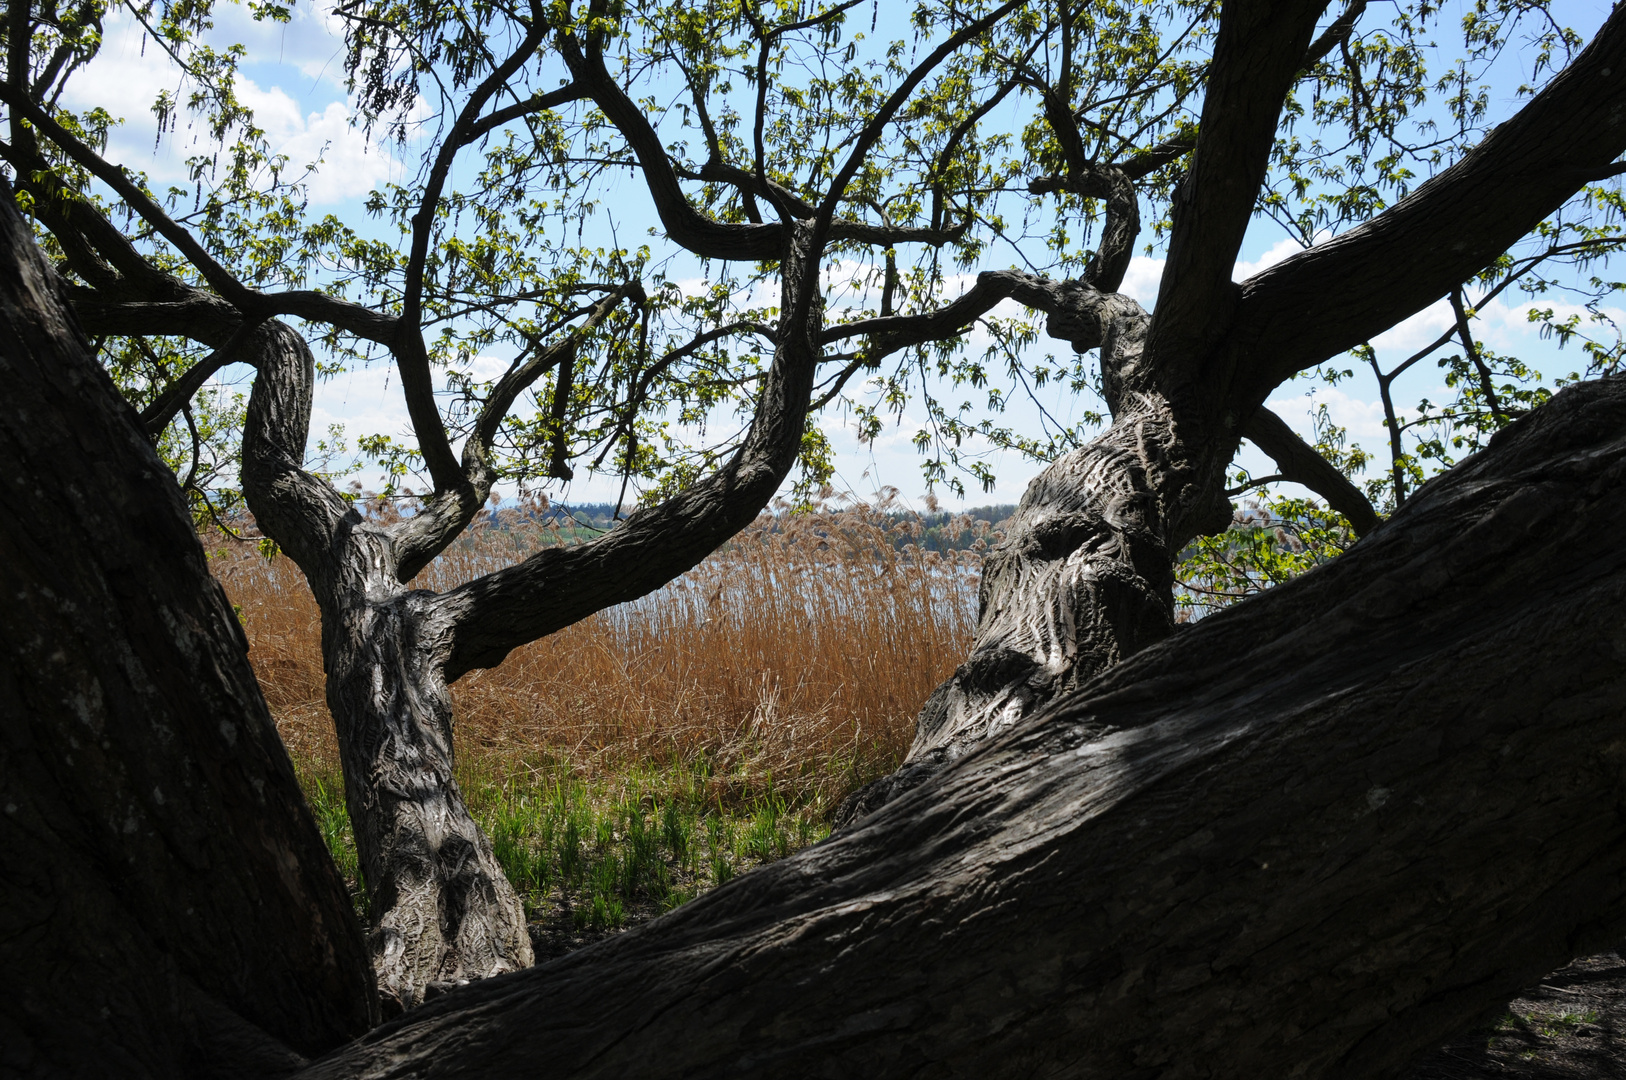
(941, 530)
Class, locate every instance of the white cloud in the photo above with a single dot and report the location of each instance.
(1281, 249)
(1362, 419)
(350, 165)
(1416, 331)
(130, 72)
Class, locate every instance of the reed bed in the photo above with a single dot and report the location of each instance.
(654, 750)
(794, 660)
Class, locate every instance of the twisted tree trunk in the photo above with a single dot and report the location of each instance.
(441, 910)
(1085, 577)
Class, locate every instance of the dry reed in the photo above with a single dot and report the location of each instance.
(795, 659)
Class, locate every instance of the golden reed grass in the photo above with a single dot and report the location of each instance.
(796, 658)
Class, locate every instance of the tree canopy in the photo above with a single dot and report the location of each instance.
(522, 229)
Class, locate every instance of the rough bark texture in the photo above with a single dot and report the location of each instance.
(167, 907)
(1086, 578)
(1091, 547)
(441, 909)
(1307, 837)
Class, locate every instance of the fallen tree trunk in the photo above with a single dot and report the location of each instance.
(167, 907)
(1309, 837)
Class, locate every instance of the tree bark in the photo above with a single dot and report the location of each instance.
(441, 910)
(167, 907)
(1072, 589)
(1310, 836)
(1085, 577)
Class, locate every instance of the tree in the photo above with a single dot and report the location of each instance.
(441, 908)
(1311, 835)
(1085, 580)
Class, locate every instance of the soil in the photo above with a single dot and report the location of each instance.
(1571, 1026)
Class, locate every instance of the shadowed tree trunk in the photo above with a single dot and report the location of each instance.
(167, 907)
(1082, 585)
(1310, 836)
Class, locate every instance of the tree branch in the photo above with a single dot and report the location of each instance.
(1330, 298)
(1472, 352)
(218, 277)
(156, 417)
(485, 619)
(412, 358)
(1257, 56)
(683, 223)
(871, 132)
(1112, 184)
(1300, 463)
(1334, 35)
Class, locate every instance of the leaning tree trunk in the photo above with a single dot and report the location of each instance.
(167, 906)
(1311, 836)
(441, 910)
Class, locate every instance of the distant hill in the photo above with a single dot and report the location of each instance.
(939, 531)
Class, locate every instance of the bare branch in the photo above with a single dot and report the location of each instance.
(1472, 351)
(1334, 35)
(1300, 463)
(178, 394)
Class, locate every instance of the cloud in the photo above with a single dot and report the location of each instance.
(1415, 331)
(1281, 249)
(1362, 419)
(131, 70)
(1141, 282)
(350, 165)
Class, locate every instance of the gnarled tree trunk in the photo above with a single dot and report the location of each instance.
(1083, 578)
(441, 909)
(1310, 836)
(167, 906)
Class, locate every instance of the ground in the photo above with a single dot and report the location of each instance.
(1570, 1026)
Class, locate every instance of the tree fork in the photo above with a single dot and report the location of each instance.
(441, 909)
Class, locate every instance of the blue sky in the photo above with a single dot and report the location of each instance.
(294, 82)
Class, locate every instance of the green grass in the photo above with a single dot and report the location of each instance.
(599, 853)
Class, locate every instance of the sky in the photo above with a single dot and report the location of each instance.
(294, 82)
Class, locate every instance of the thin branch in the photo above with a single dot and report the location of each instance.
(218, 277)
(178, 394)
(1302, 464)
(1472, 352)
(872, 131)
